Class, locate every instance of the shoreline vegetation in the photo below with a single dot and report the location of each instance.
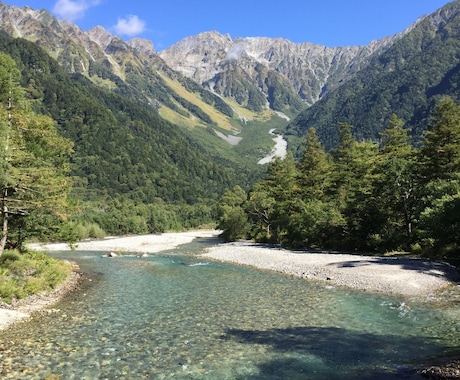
(391, 275)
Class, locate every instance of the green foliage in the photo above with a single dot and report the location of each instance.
(122, 146)
(85, 230)
(123, 216)
(231, 215)
(313, 167)
(26, 274)
(363, 195)
(441, 226)
(440, 154)
(394, 189)
(34, 159)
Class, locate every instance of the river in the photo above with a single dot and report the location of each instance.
(279, 150)
(174, 315)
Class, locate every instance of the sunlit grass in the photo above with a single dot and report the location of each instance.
(22, 275)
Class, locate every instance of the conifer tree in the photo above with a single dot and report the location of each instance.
(394, 188)
(440, 153)
(440, 181)
(314, 167)
(34, 158)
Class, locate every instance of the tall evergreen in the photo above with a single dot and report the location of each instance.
(440, 179)
(34, 158)
(394, 188)
(313, 167)
(440, 153)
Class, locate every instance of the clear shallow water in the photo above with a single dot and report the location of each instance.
(178, 316)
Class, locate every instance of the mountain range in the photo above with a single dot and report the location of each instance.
(217, 97)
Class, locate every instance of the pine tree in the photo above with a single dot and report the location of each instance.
(440, 153)
(313, 167)
(440, 181)
(34, 158)
(394, 188)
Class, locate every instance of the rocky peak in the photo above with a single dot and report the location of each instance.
(198, 57)
(142, 46)
(101, 36)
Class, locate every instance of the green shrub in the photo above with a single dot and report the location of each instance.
(86, 230)
(31, 273)
(8, 289)
(34, 285)
(8, 257)
(95, 231)
(54, 274)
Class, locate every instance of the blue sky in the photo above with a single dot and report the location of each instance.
(165, 22)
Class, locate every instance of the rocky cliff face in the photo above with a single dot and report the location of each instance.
(310, 69)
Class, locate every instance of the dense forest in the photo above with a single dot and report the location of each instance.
(131, 170)
(377, 196)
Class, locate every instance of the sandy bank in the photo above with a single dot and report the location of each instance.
(402, 276)
(140, 244)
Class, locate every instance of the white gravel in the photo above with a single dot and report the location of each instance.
(395, 275)
(140, 244)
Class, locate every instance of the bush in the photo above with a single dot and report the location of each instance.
(80, 231)
(8, 257)
(31, 273)
(8, 289)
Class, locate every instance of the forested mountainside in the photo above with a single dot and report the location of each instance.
(382, 197)
(131, 69)
(121, 147)
(407, 79)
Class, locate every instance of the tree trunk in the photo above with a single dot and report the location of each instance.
(4, 220)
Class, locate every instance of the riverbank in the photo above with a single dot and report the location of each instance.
(24, 308)
(382, 274)
(136, 244)
(393, 275)
(401, 276)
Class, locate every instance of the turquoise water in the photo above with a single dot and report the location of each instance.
(178, 316)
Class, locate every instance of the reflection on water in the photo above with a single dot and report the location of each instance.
(177, 316)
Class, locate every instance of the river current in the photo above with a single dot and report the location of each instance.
(177, 316)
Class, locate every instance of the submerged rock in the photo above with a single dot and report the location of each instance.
(110, 254)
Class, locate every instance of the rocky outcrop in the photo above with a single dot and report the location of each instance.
(309, 68)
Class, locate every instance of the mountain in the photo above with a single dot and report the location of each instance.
(254, 73)
(288, 75)
(406, 79)
(220, 96)
(121, 147)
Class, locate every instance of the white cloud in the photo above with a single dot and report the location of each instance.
(235, 52)
(130, 25)
(73, 9)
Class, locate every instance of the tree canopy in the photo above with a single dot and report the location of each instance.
(34, 178)
(377, 196)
